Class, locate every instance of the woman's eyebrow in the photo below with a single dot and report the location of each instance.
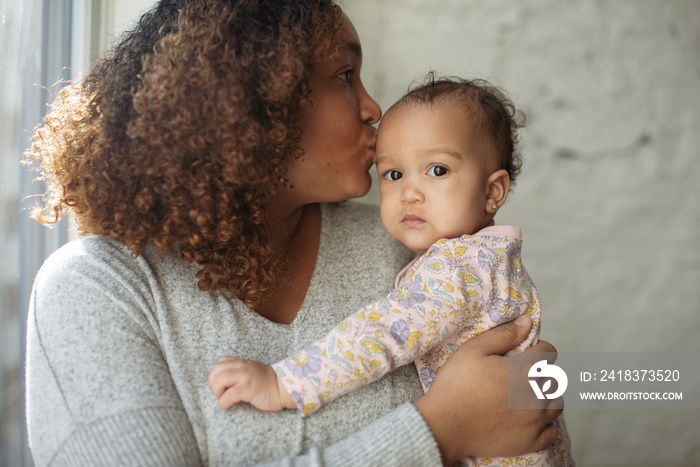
(355, 48)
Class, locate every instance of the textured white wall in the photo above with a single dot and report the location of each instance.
(609, 196)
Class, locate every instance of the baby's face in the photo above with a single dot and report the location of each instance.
(432, 182)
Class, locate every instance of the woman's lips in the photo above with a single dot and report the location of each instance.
(372, 153)
(411, 221)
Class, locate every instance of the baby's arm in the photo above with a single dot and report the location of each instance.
(448, 289)
(361, 349)
(444, 292)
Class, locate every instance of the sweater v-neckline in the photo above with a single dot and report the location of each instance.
(311, 290)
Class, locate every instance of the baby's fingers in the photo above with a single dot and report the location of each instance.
(223, 375)
(233, 395)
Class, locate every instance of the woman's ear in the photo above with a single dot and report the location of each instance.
(498, 185)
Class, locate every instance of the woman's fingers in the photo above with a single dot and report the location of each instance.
(500, 339)
(543, 346)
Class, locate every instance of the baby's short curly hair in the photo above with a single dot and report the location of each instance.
(490, 110)
(178, 136)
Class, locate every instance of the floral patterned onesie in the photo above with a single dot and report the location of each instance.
(459, 288)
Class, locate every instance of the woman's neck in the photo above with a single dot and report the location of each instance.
(297, 232)
(285, 217)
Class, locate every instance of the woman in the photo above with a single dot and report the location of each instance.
(201, 155)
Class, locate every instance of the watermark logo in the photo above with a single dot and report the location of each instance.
(542, 369)
(604, 380)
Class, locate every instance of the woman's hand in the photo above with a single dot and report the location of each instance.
(234, 380)
(467, 405)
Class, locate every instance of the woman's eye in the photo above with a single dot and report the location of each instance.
(438, 171)
(345, 76)
(393, 175)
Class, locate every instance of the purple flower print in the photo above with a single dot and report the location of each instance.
(305, 362)
(408, 295)
(399, 331)
(298, 400)
(484, 261)
(503, 310)
(516, 264)
(427, 376)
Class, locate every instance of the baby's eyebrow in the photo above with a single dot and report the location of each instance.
(382, 158)
(427, 152)
(443, 150)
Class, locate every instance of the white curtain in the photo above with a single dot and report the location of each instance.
(34, 56)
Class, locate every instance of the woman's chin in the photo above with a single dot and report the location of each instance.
(359, 189)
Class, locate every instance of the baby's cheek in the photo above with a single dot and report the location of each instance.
(387, 211)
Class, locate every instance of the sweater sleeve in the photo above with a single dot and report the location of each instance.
(399, 438)
(467, 283)
(98, 388)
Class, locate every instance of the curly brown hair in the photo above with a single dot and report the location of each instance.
(493, 113)
(180, 134)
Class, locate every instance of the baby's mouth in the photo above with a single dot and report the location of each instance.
(411, 220)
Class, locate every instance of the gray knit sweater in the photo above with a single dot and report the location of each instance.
(119, 350)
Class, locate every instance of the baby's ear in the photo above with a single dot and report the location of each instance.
(498, 185)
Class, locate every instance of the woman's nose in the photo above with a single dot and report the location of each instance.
(370, 112)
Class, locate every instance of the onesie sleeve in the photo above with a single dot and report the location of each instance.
(454, 286)
(99, 390)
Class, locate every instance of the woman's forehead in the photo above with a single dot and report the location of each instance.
(352, 40)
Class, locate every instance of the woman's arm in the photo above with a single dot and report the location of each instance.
(99, 390)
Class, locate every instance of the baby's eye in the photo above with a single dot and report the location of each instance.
(393, 175)
(438, 171)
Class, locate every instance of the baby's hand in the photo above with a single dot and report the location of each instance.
(234, 380)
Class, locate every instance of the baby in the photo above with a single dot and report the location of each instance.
(446, 159)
